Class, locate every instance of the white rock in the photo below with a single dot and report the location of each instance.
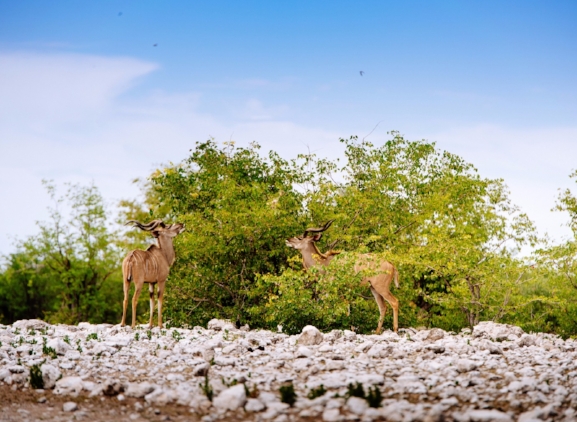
(357, 405)
(254, 405)
(30, 324)
(231, 398)
(303, 352)
(70, 386)
(332, 415)
(139, 390)
(496, 331)
(50, 374)
(69, 406)
(466, 365)
(488, 415)
(310, 336)
(59, 346)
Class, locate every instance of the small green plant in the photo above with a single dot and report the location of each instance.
(374, 397)
(78, 346)
(162, 332)
(17, 331)
(176, 335)
(66, 339)
(137, 336)
(317, 392)
(49, 350)
(356, 390)
(36, 380)
(253, 394)
(31, 332)
(149, 334)
(92, 336)
(206, 388)
(287, 394)
(20, 341)
(225, 336)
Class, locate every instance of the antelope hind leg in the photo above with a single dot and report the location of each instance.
(382, 309)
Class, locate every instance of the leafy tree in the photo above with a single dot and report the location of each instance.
(238, 208)
(453, 235)
(69, 272)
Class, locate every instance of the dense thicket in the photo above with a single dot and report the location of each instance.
(453, 235)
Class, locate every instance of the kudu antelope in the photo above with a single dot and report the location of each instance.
(380, 283)
(150, 266)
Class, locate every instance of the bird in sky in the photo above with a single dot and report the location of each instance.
(362, 73)
(154, 45)
(119, 13)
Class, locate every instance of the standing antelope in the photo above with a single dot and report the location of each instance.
(380, 283)
(150, 266)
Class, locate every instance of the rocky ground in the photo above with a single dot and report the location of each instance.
(104, 372)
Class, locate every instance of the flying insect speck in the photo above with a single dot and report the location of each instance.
(361, 73)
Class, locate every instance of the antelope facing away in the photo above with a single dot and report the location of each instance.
(150, 266)
(380, 283)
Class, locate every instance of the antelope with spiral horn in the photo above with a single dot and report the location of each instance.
(150, 266)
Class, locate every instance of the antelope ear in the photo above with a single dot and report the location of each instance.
(155, 233)
(317, 237)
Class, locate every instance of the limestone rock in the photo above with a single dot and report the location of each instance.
(50, 374)
(310, 336)
(231, 398)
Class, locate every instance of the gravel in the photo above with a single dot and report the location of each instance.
(495, 372)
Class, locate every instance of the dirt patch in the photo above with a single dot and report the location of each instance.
(35, 405)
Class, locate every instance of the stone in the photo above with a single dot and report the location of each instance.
(69, 386)
(231, 398)
(139, 390)
(303, 352)
(69, 406)
(310, 336)
(488, 415)
(466, 365)
(50, 374)
(59, 346)
(30, 324)
(496, 331)
(201, 369)
(356, 405)
(332, 415)
(254, 405)
(112, 387)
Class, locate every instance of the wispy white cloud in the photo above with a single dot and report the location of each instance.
(65, 117)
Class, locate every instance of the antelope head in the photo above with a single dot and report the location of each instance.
(158, 228)
(304, 242)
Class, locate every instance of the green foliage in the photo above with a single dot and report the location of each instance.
(288, 394)
(92, 336)
(317, 392)
(69, 272)
(355, 390)
(49, 351)
(36, 380)
(176, 335)
(206, 388)
(238, 208)
(374, 397)
(452, 234)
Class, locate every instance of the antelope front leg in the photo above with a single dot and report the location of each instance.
(160, 300)
(137, 289)
(151, 293)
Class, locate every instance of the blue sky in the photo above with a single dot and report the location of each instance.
(86, 96)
